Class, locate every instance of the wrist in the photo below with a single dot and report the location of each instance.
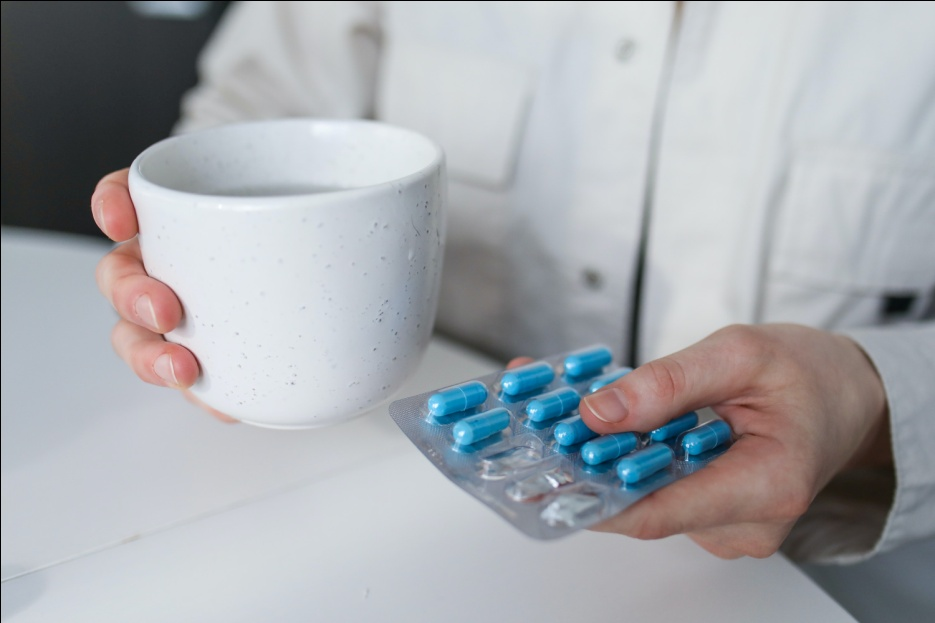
(876, 449)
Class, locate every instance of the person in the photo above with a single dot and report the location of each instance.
(645, 175)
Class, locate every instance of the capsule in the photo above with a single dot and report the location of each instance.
(644, 463)
(481, 426)
(705, 438)
(552, 404)
(572, 431)
(526, 378)
(607, 379)
(458, 398)
(608, 447)
(675, 427)
(587, 362)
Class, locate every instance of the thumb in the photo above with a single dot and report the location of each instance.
(715, 369)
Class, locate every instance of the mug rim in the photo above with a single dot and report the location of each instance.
(138, 182)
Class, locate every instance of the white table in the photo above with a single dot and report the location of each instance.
(121, 502)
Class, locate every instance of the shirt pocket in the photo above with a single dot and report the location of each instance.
(474, 106)
(857, 221)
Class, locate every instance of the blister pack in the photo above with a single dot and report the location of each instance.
(514, 440)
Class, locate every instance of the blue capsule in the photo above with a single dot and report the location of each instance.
(552, 404)
(481, 426)
(526, 378)
(644, 463)
(587, 362)
(607, 379)
(458, 398)
(608, 447)
(572, 431)
(675, 427)
(706, 437)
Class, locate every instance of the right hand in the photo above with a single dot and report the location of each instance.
(148, 308)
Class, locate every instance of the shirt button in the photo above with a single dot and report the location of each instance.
(625, 50)
(592, 279)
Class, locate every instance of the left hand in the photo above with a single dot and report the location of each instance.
(148, 308)
(803, 404)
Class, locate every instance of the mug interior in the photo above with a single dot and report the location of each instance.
(286, 157)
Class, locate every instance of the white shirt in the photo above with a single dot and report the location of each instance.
(783, 152)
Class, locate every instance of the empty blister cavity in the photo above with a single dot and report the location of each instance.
(572, 509)
(587, 362)
(478, 427)
(553, 404)
(608, 447)
(499, 466)
(456, 399)
(641, 464)
(675, 427)
(526, 378)
(534, 487)
(573, 431)
(705, 438)
(606, 379)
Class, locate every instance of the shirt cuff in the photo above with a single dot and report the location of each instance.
(864, 512)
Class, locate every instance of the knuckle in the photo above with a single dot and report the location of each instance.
(140, 358)
(646, 528)
(764, 548)
(747, 344)
(115, 334)
(123, 294)
(793, 505)
(714, 545)
(791, 489)
(724, 553)
(790, 497)
(668, 377)
(743, 337)
(643, 531)
(102, 275)
(120, 339)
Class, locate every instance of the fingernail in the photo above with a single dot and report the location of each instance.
(99, 214)
(609, 405)
(146, 312)
(165, 370)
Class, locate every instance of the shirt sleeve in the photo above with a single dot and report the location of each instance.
(286, 59)
(870, 511)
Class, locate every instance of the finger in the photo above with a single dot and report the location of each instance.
(518, 361)
(758, 540)
(136, 296)
(222, 417)
(718, 368)
(711, 544)
(750, 483)
(715, 546)
(152, 358)
(112, 207)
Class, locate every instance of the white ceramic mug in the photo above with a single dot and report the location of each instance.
(307, 256)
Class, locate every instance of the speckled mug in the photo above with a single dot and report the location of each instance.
(307, 256)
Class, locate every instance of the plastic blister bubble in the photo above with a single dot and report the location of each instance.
(520, 447)
(572, 510)
(538, 484)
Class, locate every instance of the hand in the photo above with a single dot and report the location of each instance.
(148, 308)
(803, 404)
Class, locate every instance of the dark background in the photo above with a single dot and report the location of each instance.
(86, 86)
